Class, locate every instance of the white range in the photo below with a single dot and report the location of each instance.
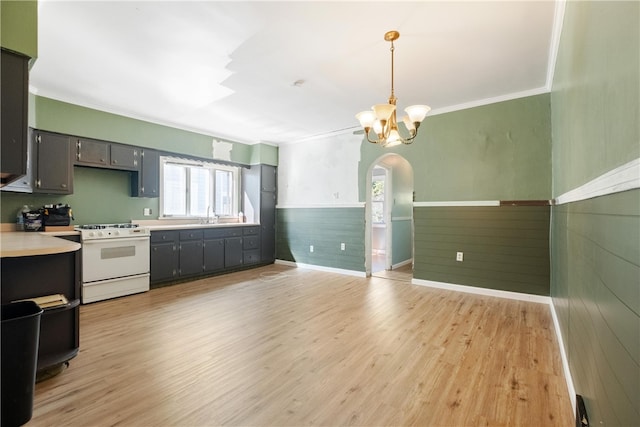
(115, 260)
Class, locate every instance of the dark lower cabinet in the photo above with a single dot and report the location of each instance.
(232, 252)
(267, 226)
(42, 275)
(164, 261)
(192, 252)
(190, 258)
(213, 255)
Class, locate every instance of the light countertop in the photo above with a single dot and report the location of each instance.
(197, 225)
(19, 244)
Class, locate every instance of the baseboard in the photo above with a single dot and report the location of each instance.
(322, 268)
(565, 360)
(401, 264)
(541, 299)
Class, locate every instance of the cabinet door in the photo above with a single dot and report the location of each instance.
(147, 183)
(190, 257)
(124, 157)
(232, 252)
(53, 164)
(267, 226)
(92, 153)
(13, 132)
(268, 178)
(213, 254)
(164, 262)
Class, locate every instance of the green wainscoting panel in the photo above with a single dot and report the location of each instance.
(402, 240)
(505, 247)
(100, 196)
(325, 229)
(596, 293)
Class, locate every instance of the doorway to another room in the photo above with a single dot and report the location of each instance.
(390, 214)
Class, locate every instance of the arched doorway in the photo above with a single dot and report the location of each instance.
(389, 213)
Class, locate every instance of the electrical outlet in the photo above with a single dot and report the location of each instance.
(342, 246)
(460, 256)
(146, 212)
(310, 248)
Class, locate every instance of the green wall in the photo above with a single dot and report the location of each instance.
(19, 26)
(96, 191)
(100, 196)
(500, 151)
(57, 116)
(595, 243)
(596, 87)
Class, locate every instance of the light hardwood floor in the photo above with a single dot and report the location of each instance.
(285, 346)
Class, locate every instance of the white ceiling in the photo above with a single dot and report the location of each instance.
(228, 69)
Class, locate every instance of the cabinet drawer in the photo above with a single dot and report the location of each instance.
(191, 235)
(217, 233)
(164, 236)
(250, 231)
(250, 242)
(251, 257)
(214, 233)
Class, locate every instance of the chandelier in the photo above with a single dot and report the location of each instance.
(382, 117)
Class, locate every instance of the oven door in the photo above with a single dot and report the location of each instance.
(111, 258)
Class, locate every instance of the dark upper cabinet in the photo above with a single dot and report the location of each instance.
(268, 178)
(124, 157)
(53, 166)
(147, 181)
(91, 152)
(260, 193)
(14, 78)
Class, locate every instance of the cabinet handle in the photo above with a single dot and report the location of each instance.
(102, 160)
(63, 185)
(115, 162)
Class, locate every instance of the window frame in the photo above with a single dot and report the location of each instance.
(212, 167)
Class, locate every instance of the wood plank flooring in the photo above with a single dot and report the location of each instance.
(285, 346)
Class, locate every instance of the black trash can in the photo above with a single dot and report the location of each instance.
(20, 336)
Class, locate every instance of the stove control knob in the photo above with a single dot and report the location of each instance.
(91, 234)
(116, 233)
(100, 233)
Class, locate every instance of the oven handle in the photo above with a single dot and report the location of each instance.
(119, 239)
